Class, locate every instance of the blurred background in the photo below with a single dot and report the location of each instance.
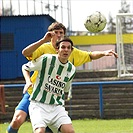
(72, 13)
(23, 22)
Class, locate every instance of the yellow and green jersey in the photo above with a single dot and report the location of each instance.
(78, 57)
(54, 78)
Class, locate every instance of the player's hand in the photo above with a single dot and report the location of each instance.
(110, 53)
(27, 86)
(48, 36)
(68, 98)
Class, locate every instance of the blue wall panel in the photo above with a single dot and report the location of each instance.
(26, 30)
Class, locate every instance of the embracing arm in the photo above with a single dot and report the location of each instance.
(27, 52)
(98, 54)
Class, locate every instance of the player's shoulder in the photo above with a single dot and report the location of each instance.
(73, 67)
(50, 56)
(76, 50)
(43, 56)
(48, 44)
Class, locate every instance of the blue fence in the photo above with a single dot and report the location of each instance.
(98, 83)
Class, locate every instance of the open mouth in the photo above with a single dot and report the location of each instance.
(65, 54)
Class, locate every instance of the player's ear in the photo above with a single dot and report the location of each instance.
(57, 50)
(72, 48)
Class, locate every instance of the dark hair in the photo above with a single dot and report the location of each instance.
(57, 26)
(64, 39)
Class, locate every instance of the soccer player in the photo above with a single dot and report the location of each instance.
(55, 32)
(55, 74)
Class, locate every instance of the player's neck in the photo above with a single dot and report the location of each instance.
(53, 44)
(62, 60)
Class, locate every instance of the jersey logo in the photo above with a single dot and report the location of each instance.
(58, 77)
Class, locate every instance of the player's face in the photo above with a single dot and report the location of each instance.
(64, 51)
(59, 34)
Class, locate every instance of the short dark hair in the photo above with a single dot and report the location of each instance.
(57, 26)
(64, 39)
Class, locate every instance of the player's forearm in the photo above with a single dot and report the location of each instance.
(97, 54)
(26, 74)
(27, 52)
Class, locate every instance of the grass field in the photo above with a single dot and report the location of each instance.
(88, 126)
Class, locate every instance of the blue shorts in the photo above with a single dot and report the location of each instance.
(24, 103)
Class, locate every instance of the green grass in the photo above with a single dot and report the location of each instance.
(88, 126)
(103, 126)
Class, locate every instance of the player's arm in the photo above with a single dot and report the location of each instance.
(26, 75)
(69, 96)
(86, 56)
(27, 52)
(27, 68)
(98, 54)
(69, 83)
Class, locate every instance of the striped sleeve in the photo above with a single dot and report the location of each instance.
(34, 64)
